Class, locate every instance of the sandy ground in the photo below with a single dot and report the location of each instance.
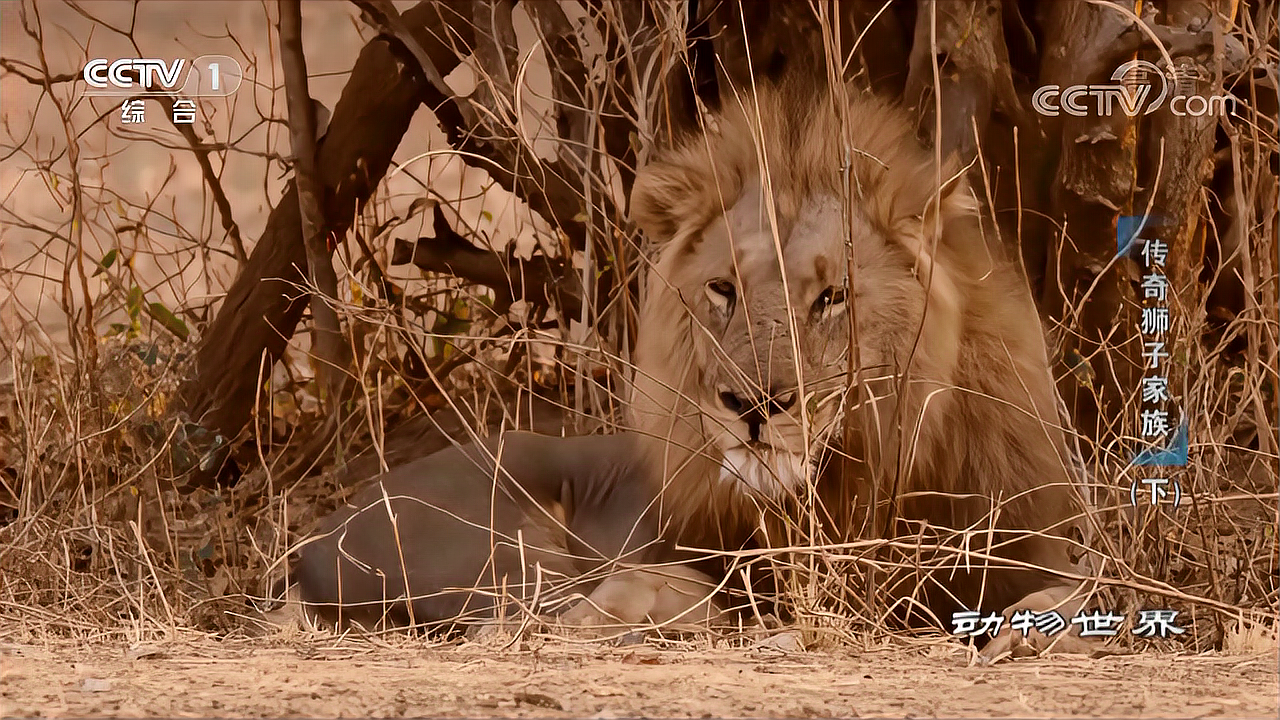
(316, 676)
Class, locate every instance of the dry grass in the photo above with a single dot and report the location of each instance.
(98, 538)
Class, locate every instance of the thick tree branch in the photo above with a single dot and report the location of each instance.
(1087, 288)
(539, 280)
(261, 308)
(974, 75)
(383, 15)
(496, 49)
(568, 80)
(545, 186)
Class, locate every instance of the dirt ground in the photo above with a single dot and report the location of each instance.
(322, 676)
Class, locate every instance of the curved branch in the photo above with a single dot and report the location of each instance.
(539, 280)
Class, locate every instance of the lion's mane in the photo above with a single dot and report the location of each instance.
(957, 409)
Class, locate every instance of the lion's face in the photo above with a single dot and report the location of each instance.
(743, 354)
(751, 309)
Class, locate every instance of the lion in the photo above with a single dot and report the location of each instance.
(804, 234)
(950, 431)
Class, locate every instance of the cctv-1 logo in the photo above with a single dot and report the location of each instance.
(207, 75)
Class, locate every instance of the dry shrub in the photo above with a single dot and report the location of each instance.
(100, 534)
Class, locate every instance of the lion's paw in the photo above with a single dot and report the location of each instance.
(1023, 641)
(677, 597)
(584, 620)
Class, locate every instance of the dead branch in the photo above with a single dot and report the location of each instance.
(261, 310)
(540, 280)
(201, 151)
(545, 186)
(302, 133)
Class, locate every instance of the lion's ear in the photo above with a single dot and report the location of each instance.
(960, 220)
(667, 196)
(957, 198)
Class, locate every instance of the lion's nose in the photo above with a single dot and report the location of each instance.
(757, 411)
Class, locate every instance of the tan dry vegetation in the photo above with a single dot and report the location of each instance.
(113, 569)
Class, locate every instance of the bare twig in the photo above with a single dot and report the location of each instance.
(329, 349)
(201, 151)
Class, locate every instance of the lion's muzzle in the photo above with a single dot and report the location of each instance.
(764, 470)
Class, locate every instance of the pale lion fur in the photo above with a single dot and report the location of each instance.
(979, 416)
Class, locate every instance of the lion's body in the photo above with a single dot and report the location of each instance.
(954, 393)
(523, 517)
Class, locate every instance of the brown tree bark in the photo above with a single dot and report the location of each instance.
(1179, 158)
(263, 307)
(966, 40)
(540, 280)
(1088, 290)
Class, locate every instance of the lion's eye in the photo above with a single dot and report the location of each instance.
(722, 294)
(830, 298)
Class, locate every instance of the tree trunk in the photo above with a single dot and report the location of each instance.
(262, 308)
(1087, 288)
